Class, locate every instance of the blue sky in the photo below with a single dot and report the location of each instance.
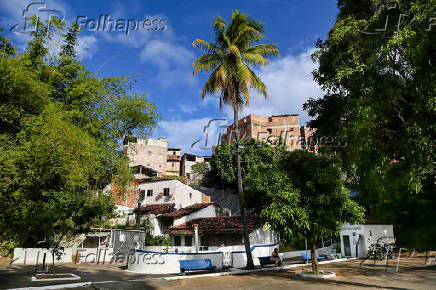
(161, 60)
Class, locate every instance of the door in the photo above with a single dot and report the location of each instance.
(347, 246)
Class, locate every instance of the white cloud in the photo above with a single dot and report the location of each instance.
(160, 48)
(164, 54)
(289, 82)
(172, 60)
(87, 47)
(188, 109)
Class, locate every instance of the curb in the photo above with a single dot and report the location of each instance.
(249, 271)
(59, 286)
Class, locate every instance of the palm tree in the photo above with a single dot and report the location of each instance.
(231, 60)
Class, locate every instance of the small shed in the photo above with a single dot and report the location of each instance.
(357, 239)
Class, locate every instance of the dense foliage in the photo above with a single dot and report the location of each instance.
(60, 130)
(298, 192)
(381, 93)
(256, 159)
(309, 197)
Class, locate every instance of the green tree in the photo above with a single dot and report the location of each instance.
(256, 158)
(231, 59)
(309, 197)
(60, 130)
(6, 46)
(381, 93)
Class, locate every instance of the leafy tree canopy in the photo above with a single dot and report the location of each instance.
(381, 93)
(309, 197)
(60, 133)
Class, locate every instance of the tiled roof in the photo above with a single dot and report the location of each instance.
(158, 208)
(222, 224)
(187, 210)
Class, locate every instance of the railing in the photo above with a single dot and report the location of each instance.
(173, 158)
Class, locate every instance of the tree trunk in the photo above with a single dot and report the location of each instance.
(250, 264)
(314, 259)
(53, 259)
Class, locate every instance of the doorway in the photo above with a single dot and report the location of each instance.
(347, 246)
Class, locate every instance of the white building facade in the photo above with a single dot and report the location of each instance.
(357, 239)
(171, 191)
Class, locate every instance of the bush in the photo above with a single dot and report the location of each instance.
(156, 241)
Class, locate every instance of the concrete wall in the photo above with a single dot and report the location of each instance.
(151, 153)
(362, 236)
(154, 260)
(31, 256)
(168, 263)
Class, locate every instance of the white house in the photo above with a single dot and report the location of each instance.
(171, 191)
(163, 216)
(356, 239)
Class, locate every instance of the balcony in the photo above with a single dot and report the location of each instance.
(173, 158)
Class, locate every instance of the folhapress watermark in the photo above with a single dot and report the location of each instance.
(33, 15)
(37, 13)
(127, 26)
(212, 136)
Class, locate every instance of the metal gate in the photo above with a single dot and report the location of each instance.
(126, 240)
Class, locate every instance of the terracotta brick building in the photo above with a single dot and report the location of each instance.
(307, 142)
(269, 129)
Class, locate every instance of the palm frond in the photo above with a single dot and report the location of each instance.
(255, 59)
(230, 60)
(206, 62)
(207, 47)
(221, 39)
(266, 50)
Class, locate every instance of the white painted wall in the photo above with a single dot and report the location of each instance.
(182, 195)
(31, 256)
(161, 262)
(369, 234)
(168, 263)
(209, 211)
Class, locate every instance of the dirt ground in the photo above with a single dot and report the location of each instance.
(349, 275)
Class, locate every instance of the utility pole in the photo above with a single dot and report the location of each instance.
(138, 212)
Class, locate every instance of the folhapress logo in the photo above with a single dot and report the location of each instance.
(36, 12)
(33, 15)
(107, 23)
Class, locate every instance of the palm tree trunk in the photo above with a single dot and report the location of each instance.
(250, 264)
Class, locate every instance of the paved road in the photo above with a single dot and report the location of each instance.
(350, 275)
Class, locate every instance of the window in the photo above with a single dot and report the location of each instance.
(173, 164)
(150, 192)
(141, 194)
(174, 152)
(188, 241)
(166, 192)
(190, 195)
(177, 241)
(269, 131)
